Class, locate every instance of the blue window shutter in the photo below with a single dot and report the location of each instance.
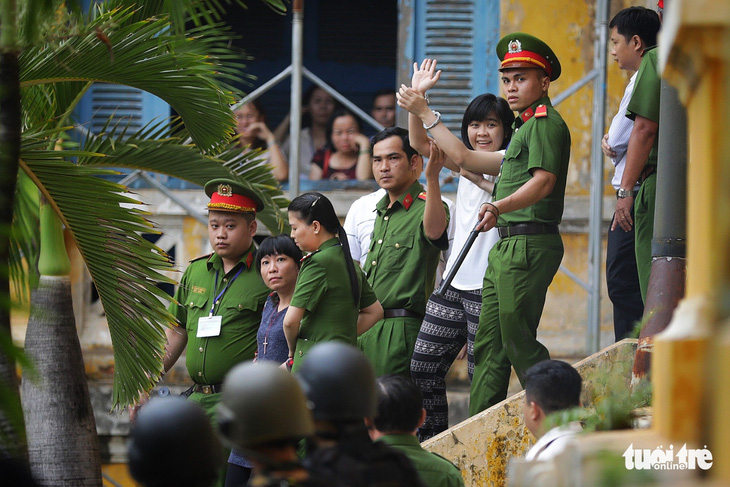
(125, 105)
(461, 35)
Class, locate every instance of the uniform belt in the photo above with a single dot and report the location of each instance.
(208, 389)
(400, 313)
(646, 172)
(528, 229)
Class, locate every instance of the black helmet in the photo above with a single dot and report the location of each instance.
(339, 382)
(261, 403)
(172, 443)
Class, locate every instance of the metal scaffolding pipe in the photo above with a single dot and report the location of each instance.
(264, 88)
(295, 119)
(345, 102)
(595, 232)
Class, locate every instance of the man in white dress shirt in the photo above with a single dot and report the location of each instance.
(550, 386)
(632, 31)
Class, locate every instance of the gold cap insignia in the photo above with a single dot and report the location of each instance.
(225, 190)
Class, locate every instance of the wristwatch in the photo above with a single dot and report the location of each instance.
(625, 193)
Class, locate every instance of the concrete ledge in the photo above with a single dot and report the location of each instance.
(482, 445)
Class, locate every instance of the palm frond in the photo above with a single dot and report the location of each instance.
(193, 77)
(125, 266)
(153, 149)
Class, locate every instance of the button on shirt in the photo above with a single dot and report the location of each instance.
(209, 359)
(402, 260)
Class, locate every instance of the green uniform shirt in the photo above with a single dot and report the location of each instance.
(402, 260)
(538, 143)
(209, 359)
(645, 98)
(323, 289)
(433, 469)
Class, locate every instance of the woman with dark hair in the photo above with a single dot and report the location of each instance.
(317, 108)
(347, 155)
(253, 133)
(277, 260)
(332, 299)
(452, 320)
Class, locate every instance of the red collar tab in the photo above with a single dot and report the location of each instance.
(407, 201)
(249, 260)
(527, 114)
(541, 111)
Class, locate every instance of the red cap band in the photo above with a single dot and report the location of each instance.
(234, 202)
(527, 57)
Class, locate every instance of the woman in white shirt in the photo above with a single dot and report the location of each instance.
(451, 321)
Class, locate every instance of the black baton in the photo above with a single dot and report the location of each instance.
(459, 260)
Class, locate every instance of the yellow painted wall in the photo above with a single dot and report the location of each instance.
(568, 27)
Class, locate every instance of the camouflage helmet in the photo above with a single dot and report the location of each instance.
(262, 403)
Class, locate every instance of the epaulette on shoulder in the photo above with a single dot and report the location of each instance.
(541, 111)
(422, 195)
(206, 256)
(308, 256)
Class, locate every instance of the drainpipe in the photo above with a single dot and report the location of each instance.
(668, 268)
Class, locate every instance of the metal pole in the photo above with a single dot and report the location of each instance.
(295, 120)
(593, 338)
(572, 89)
(263, 88)
(337, 96)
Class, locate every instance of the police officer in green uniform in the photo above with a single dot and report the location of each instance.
(641, 164)
(410, 231)
(220, 297)
(332, 300)
(399, 415)
(527, 208)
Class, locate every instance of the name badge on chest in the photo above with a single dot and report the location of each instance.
(209, 326)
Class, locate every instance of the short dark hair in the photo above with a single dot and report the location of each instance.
(400, 403)
(278, 245)
(401, 133)
(340, 112)
(382, 92)
(480, 108)
(639, 21)
(553, 384)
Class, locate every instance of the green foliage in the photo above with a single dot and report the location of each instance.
(144, 45)
(613, 410)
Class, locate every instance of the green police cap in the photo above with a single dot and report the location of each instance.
(520, 50)
(232, 196)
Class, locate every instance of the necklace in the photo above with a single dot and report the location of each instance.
(271, 322)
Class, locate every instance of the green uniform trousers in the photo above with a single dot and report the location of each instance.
(515, 284)
(389, 345)
(644, 230)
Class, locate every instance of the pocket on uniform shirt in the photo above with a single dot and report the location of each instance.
(242, 303)
(396, 249)
(196, 305)
(508, 165)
